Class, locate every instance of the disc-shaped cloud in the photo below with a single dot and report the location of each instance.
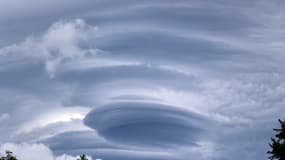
(146, 124)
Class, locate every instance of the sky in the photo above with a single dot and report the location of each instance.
(141, 80)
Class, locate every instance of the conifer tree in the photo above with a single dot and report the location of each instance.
(82, 157)
(278, 143)
(9, 156)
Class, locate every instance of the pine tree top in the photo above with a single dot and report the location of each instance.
(278, 143)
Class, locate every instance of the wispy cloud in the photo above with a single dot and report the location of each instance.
(206, 77)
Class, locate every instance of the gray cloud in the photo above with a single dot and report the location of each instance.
(147, 124)
(92, 144)
(219, 63)
(64, 142)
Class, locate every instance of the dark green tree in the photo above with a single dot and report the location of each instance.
(9, 156)
(82, 157)
(277, 144)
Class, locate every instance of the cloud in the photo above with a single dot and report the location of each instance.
(69, 157)
(57, 115)
(4, 116)
(76, 141)
(66, 44)
(187, 60)
(60, 43)
(146, 124)
(62, 40)
(99, 148)
(50, 123)
(27, 151)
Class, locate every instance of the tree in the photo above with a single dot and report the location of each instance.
(82, 157)
(278, 143)
(9, 156)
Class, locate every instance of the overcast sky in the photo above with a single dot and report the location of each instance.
(141, 80)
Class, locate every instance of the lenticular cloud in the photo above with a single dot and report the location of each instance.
(146, 124)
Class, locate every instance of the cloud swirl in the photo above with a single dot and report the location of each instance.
(142, 80)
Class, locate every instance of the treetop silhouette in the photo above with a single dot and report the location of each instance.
(278, 143)
(82, 157)
(9, 156)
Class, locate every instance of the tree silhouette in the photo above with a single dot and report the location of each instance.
(82, 157)
(278, 143)
(9, 156)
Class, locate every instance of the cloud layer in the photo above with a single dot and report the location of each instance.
(141, 79)
(146, 124)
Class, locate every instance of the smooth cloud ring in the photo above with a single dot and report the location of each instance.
(146, 124)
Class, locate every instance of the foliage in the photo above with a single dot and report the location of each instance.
(9, 156)
(278, 143)
(83, 157)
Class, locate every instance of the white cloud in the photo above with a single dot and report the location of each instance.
(26, 151)
(60, 46)
(60, 43)
(69, 157)
(49, 123)
(62, 38)
(57, 115)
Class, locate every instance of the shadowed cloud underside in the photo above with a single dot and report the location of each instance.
(146, 124)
